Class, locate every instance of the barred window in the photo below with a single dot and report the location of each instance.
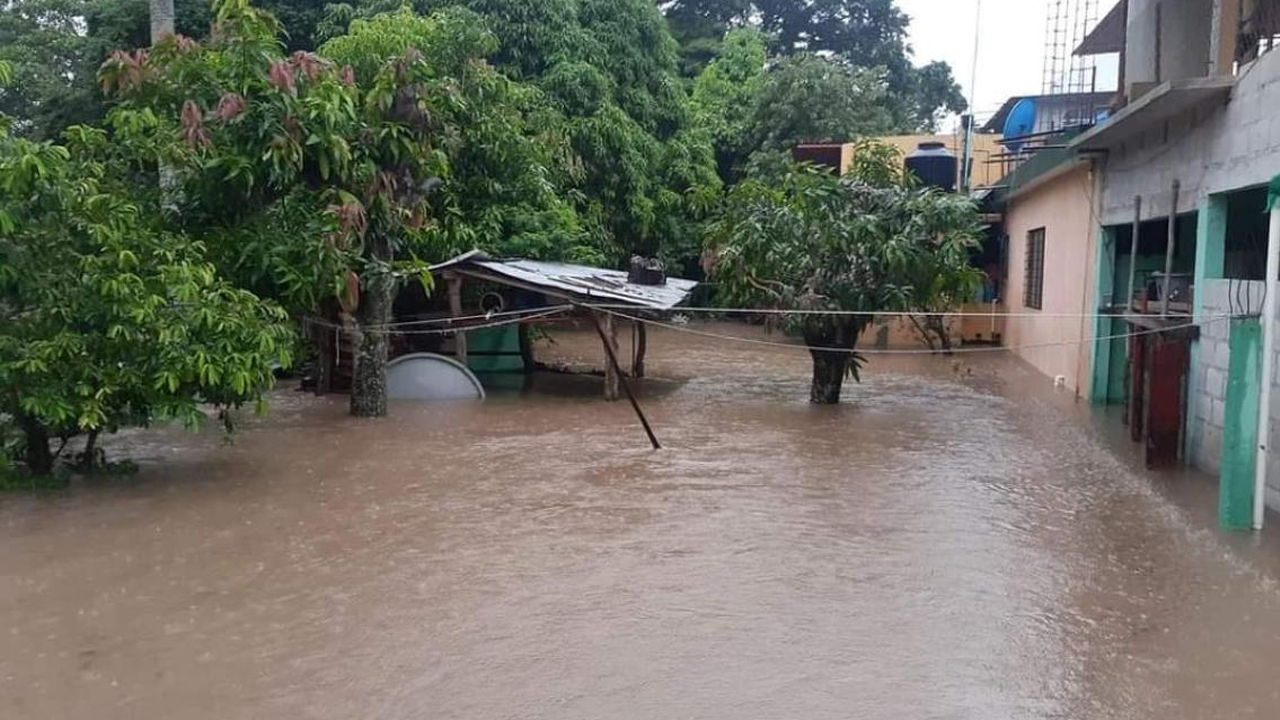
(1033, 283)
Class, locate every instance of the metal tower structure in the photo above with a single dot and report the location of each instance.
(1067, 25)
(1056, 48)
(1082, 77)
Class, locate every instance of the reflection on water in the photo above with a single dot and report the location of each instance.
(947, 544)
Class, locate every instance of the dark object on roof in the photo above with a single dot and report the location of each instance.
(1109, 35)
(934, 165)
(646, 271)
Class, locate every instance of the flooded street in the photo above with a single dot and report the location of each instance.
(948, 544)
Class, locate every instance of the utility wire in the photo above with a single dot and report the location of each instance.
(921, 351)
(875, 313)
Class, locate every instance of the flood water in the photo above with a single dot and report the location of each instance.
(956, 541)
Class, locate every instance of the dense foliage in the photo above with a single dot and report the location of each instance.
(164, 210)
(869, 242)
(108, 318)
(870, 34)
(56, 46)
(642, 169)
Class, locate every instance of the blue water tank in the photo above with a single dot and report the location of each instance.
(1021, 122)
(934, 165)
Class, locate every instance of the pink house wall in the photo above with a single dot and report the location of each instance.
(1064, 208)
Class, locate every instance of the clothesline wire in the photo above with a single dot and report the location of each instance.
(558, 310)
(920, 351)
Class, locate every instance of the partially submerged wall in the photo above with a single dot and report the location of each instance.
(1223, 298)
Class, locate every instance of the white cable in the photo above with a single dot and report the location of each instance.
(380, 330)
(452, 320)
(872, 313)
(921, 351)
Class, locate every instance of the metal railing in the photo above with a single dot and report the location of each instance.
(1259, 31)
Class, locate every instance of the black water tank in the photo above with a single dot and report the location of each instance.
(934, 165)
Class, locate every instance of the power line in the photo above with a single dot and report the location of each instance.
(921, 351)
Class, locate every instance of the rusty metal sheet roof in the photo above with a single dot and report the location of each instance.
(574, 282)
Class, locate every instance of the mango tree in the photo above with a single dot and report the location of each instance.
(344, 172)
(107, 318)
(866, 243)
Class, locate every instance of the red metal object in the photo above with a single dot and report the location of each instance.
(1167, 375)
(1137, 386)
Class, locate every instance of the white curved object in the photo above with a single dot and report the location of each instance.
(427, 376)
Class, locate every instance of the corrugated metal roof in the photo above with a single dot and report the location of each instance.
(574, 282)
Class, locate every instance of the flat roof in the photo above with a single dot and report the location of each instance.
(1165, 102)
(566, 281)
(1109, 35)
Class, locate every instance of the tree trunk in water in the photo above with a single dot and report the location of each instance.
(829, 369)
(369, 384)
(831, 366)
(940, 331)
(38, 456)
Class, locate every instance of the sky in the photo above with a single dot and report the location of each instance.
(1010, 48)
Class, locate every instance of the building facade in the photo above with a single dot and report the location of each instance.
(1185, 161)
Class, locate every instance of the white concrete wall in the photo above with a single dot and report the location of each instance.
(1216, 150)
(1208, 404)
(1184, 45)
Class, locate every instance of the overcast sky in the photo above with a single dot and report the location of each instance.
(1011, 50)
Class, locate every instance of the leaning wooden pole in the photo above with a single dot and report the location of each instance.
(1170, 248)
(622, 380)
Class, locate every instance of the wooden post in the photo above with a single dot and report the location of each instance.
(1169, 248)
(611, 371)
(526, 348)
(455, 309)
(612, 358)
(637, 362)
(1133, 254)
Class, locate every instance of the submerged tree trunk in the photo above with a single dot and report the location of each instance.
(939, 328)
(369, 383)
(38, 456)
(829, 369)
(831, 366)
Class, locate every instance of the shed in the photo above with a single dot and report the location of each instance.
(642, 290)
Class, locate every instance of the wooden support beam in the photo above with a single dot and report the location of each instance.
(1170, 246)
(612, 359)
(526, 348)
(642, 346)
(455, 309)
(612, 373)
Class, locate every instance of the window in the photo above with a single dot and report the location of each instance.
(1033, 282)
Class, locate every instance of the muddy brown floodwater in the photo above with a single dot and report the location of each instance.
(949, 544)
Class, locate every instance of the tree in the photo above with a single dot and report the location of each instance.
(724, 95)
(345, 172)
(870, 34)
(110, 319)
(866, 243)
(812, 99)
(57, 46)
(641, 169)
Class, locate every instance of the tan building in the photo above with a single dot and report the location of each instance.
(1050, 287)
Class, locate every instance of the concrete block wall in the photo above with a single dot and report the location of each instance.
(1209, 379)
(1212, 150)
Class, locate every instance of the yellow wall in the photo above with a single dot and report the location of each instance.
(1063, 207)
(985, 147)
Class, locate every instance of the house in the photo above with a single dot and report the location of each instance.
(1182, 163)
(1047, 203)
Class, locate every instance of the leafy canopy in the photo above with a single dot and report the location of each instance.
(870, 242)
(110, 319)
